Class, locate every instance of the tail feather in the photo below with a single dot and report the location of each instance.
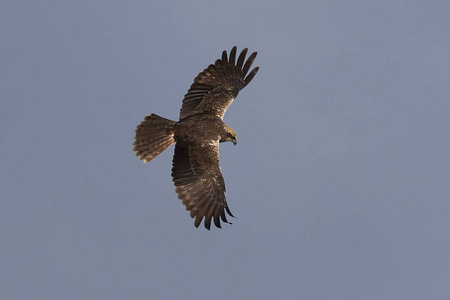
(153, 136)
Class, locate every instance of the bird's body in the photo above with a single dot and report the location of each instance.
(196, 169)
(202, 128)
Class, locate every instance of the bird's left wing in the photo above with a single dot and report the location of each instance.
(199, 182)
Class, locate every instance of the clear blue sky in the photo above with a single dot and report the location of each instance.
(340, 180)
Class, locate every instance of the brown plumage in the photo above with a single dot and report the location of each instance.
(196, 169)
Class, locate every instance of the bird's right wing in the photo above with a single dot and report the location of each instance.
(217, 86)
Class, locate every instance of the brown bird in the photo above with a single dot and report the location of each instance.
(196, 170)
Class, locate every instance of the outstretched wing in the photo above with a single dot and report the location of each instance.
(217, 86)
(199, 182)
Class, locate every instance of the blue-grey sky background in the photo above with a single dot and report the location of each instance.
(340, 180)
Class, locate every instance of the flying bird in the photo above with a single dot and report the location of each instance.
(196, 169)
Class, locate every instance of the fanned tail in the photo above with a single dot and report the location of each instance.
(153, 136)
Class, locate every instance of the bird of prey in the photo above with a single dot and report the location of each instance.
(196, 170)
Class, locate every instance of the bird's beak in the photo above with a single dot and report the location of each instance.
(234, 142)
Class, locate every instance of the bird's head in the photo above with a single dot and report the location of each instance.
(230, 136)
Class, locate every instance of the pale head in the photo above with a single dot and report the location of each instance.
(229, 136)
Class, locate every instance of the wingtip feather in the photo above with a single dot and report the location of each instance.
(241, 58)
(249, 63)
(251, 75)
(224, 56)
